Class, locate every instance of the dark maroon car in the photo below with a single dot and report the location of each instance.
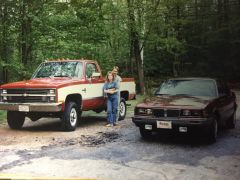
(186, 105)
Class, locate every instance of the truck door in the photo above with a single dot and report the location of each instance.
(92, 91)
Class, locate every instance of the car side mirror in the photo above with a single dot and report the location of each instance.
(233, 94)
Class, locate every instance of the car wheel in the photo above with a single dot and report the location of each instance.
(146, 134)
(70, 117)
(15, 119)
(122, 109)
(213, 132)
(231, 122)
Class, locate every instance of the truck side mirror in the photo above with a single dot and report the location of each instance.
(96, 74)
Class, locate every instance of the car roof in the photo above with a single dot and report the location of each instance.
(193, 78)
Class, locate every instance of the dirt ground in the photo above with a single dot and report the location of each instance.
(42, 150)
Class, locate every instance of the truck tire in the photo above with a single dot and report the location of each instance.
(70, 117)
(213, 131)
(146, 134)
(15, 119)
(122, 109)
(231, 122)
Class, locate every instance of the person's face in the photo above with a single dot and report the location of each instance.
(110, 77)
(115, 72)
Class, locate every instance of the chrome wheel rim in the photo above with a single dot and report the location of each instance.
(122, 109)
(73, 117)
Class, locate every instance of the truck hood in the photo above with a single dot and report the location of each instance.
(55, 82)
(178, 102)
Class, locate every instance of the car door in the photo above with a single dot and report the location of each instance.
(225, 103)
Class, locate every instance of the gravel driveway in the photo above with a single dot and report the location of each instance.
(41, 149)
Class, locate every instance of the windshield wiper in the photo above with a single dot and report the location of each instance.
(62, 76)
(160, 94)
(183, 95)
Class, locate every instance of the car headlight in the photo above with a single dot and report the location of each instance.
(4, 91)
(146, 111)
(192, 113)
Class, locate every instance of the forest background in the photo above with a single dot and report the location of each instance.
(148, 39)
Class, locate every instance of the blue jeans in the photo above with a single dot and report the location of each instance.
(112, 106)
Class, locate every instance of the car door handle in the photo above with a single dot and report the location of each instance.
(85, 90)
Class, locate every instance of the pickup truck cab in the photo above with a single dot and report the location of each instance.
(60, 88)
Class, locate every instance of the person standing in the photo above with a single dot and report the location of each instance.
(118, 80)
(110, 88)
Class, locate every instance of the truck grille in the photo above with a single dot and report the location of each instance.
(166, 112)
(28, 95)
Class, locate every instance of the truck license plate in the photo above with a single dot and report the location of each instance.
(23, 108)
(164, 124)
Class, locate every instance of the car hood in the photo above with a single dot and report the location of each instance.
(178, 102)
(55, 82)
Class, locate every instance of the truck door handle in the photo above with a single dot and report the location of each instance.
(84, 90)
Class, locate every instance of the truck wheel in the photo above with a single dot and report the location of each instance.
(15, 119)
(146, 134)
(213, 131)
(122, 109)
(231, 122)
(70, 117)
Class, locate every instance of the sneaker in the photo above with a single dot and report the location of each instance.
(115, 124)
(109, 125)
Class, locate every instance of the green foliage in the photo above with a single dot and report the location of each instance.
(178, 37)
(3, 115)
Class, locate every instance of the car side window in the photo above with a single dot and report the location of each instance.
(223, 89)
(90, 69)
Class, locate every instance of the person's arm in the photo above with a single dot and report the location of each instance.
(105, 88)
(114, 89)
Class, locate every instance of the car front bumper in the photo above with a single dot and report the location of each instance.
(31, 107)
(176, 123)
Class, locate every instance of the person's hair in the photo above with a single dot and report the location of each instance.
(116, 68)
(109, 72)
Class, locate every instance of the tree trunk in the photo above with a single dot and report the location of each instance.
(4, 41)
(135, 44)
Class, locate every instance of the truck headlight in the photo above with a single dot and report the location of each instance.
(52, 91)
(4, 91)
(52, 98)
(0, 95)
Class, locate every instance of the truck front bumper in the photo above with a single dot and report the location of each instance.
(33, 107)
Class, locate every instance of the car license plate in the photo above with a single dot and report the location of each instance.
(148, 126)
(182, 129)
(23, 108)
(164, 124)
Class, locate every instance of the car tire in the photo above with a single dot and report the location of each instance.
(70, 117)
(122, 109)
(146, 134)
(15, 119)
(213, 131)
(231, 122)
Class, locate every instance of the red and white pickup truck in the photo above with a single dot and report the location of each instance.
(60, 88)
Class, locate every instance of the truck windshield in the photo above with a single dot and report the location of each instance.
(195, 87)
(59, 69)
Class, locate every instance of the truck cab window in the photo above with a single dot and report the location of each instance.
(90, 69)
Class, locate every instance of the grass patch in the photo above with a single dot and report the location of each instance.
(3, 116)
(133, 103)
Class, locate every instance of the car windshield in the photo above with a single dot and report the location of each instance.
(59, 69)
(193, 87)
